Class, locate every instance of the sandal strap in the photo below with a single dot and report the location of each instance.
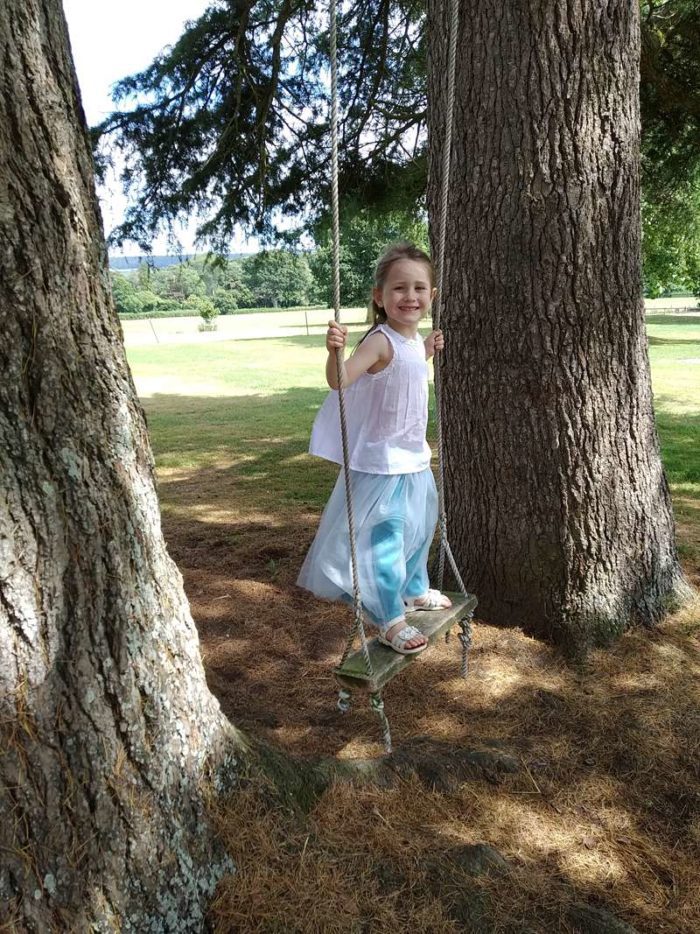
(431, 600)
(408, 633)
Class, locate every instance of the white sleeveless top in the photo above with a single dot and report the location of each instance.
(386, 414)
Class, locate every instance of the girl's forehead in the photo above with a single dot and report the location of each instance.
(412, 269)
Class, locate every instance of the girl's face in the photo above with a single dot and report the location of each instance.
(406, 294)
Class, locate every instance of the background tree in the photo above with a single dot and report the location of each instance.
(110, 740)
(232, 281)
(178, 282)
(210, 269)
(670, 101)
(278, 278)
(225, 301)
(672, 240)
(127, 299)
(561, 515)
(670, 93)
(145, 272)
(365, 232)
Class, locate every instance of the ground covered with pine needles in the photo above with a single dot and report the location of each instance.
(601, 814)
(585, 807)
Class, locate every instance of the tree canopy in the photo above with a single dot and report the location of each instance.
(230, 123)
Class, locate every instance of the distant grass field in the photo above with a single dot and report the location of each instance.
(248, 406)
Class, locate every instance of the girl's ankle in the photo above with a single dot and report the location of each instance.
(385, 627)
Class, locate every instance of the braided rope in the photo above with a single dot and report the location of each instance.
(465, 637)
(377, 705)
(358, 625)
(437, 307)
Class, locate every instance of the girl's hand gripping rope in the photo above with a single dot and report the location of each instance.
(336, 336)
(434, 343)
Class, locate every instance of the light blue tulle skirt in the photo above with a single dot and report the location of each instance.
(394, 517)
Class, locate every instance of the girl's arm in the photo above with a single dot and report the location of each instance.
(434, 343)
(373, 354)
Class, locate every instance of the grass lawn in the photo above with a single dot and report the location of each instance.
(674, 346)
(246, 408)
(601, 812)
(241, 406)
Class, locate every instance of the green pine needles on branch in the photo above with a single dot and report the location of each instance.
(230, 124)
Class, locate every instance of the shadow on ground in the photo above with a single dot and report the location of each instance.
(602, 811)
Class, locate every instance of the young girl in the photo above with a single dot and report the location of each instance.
(393, 489)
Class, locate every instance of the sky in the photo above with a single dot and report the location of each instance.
(109, 41)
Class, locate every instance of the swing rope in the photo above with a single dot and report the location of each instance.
(445, 550)
(358, 625)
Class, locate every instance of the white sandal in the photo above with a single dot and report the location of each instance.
(432, 600)
(399, 639)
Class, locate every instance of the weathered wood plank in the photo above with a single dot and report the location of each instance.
(386, 663)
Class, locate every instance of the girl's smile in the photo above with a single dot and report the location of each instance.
(406, 295)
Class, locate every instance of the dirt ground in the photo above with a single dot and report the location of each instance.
(603, 810)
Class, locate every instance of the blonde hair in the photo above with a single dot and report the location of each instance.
(397, 251)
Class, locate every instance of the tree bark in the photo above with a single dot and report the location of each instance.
(559, 511)
(109, 733)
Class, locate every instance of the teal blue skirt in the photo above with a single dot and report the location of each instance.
(394, 518)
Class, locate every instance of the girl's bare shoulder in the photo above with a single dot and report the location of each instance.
(378, 343)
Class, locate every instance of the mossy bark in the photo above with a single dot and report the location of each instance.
(559, 510)
(111, 740)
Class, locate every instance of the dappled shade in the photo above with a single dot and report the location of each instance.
(602, 809)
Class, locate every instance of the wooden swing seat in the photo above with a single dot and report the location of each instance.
(386, 663)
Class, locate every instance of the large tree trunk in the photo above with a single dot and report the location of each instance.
(108, 729)
(559, 510)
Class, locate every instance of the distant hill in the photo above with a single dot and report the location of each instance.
(127, 263)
